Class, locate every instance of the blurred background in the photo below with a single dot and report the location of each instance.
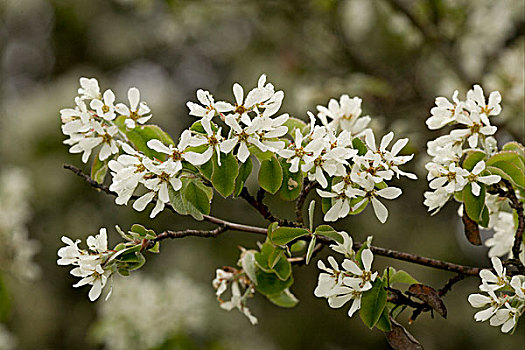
(397, 55)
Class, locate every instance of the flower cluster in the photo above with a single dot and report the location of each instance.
(465, 164)
(241, 289)
(445, 171)
(89, 264)
(91, 122)
(340, 285)
(340, 154)
(503, 309)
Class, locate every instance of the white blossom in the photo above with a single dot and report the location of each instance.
(137, 112)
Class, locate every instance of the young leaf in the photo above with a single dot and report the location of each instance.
(142, 232)
(292, 124)
(472, 158)
(206, 169)
(292, 182)
(310, 250)
(155, 249)
(284, 235)
(398, 276)
(283, 299)
(197, 197)
(473, 204)
(384, 322)
(248, 265)
(373, 302)
(328, 231)
(177, 201)
(140, 135)
(311, 212)
(283, 268)
(270, 284)
(270, 175)
(515, 147)
(275, 256)
(360, 146)
(244, 171)
(223, 177)
(99, 169)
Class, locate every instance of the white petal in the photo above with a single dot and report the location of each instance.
(158, 146)
(380, 210)
(134, 98)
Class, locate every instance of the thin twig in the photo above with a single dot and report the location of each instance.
(299, 204)
(419, 260)
(448, 286)
(262, 208)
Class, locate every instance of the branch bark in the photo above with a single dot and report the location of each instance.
(412, 258)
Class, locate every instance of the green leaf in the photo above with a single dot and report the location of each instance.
(362, 206)
(182, 205)
(329, 232)
(245, 170)
(260, 155)
(484, 217)
(298, 246)
(283, 299)
(270, 175)
(283, 268)
(473, 205)
(223, 177)
(262, 257)
(510, 167)
(140, 135)
(360, 146)
(99, 169)
(398, 276)
(311, 212)
(177, 201)
(197, 197)
(472, 158)
(373, 303)
(384, 322)
(132, 261)
(199, 129)
(270, 284)
(310, 250)
(142, 232)
(516, 147)
(155, 249)
(292, 124)
(284, 235)
(292, 183)
(206, 169)
(275, 256)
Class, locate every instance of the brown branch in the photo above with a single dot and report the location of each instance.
(518, 207)
(412, 258)
(448, 286)
(299, 204)
(189, 232)
(515, 204)
(262, 208)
